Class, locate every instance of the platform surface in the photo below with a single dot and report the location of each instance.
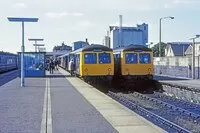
(76, 107)
(121, 118)
(192, 83)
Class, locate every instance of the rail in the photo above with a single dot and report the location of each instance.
(134, 106)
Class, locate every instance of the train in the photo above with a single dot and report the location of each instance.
(133, 62)
(133, 65)
(8, 61)
(124, 66)
(93, 62)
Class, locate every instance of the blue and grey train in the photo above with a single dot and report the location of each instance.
(8, 62)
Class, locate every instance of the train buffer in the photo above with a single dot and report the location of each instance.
(59, 103)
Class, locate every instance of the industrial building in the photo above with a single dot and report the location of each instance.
(129, 35)
(79, 44)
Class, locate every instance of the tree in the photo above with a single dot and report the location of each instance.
(155, 49)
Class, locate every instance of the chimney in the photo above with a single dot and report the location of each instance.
(107, 33)
(120, 30)
(86, 40)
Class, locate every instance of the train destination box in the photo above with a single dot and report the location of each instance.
(34, 64)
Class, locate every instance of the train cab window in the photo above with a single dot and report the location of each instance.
(131, 58)
(145, 58)
(90, 58)
(104, 58)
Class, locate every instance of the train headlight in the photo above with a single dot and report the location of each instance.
(149, 70)
(109, 70)
(127, 71)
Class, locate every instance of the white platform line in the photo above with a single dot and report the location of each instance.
(44, 114)
(49, 117)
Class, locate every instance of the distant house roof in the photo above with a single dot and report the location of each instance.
(179, 48)
(180, 43)
(63, 47)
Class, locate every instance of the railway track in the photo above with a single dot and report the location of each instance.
(182, 92)
(168, 112)
(164, 114)
(8, 76)
(184, 106)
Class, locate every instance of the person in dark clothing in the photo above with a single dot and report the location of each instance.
(56, 64)
(51, 66)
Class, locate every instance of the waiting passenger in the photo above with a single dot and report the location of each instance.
(71, 67)
(56, 64)
(51, 66)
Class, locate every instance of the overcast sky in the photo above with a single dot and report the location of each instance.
(73, 20)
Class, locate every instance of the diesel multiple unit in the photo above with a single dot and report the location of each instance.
(126, 65)
(91, 62)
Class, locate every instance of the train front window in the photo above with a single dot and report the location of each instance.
(104, 58)
(131, 58)
(90, 58)
(145, 58)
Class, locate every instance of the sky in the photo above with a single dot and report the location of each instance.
(74, 20)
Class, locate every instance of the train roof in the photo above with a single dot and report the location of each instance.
(132, 47)
(64, 55)
(7, 53)
(92, 47)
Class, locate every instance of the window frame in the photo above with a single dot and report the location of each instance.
(104, 62)
(149, 59)
(131, 62)
(90, 54)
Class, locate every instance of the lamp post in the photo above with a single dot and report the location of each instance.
(22, 20)
(35, 42)
(160, 32)
(193, 55)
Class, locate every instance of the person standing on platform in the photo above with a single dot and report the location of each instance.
(56, 64)
(71, 67)
(51, 66)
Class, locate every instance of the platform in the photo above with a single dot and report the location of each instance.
(73, 107)
(121, 118)
(183, 82)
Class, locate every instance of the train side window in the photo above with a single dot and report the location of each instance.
(90, 58)
(145, 58)
(131, 58)
(115, 56)
(77, 58)
(104, 58)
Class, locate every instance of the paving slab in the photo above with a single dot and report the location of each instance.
(21, 108)
(71, 112)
